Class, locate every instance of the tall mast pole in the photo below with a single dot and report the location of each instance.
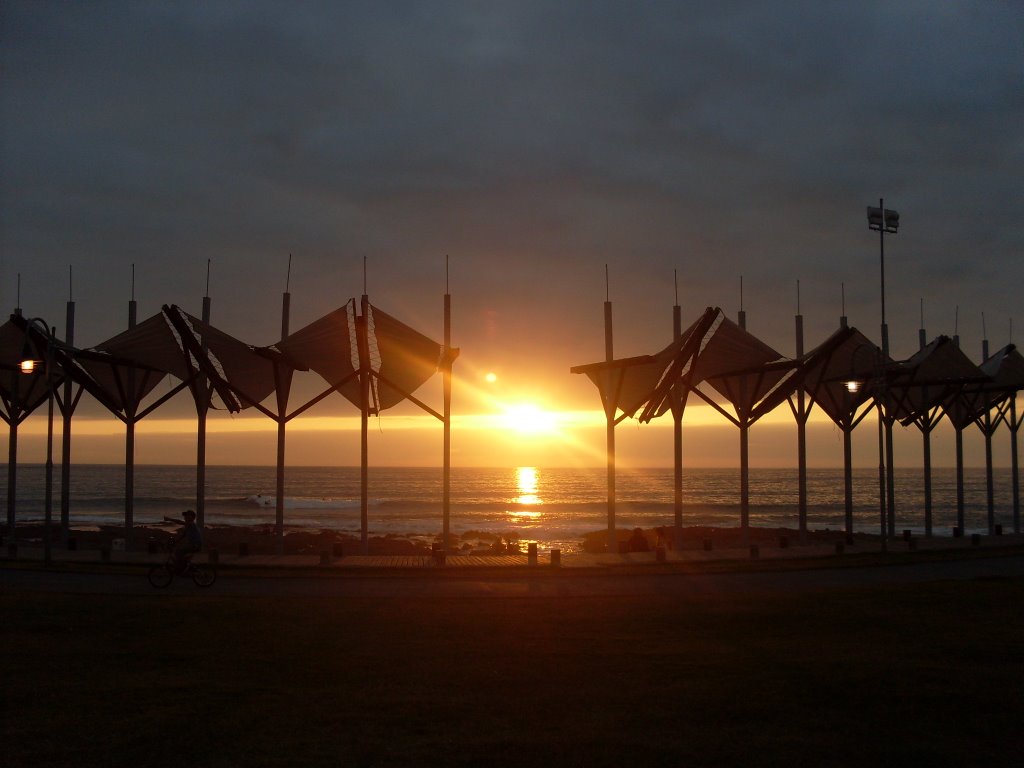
(66, 408)
(801, 430)
(446, 373)
(282, 387)
(677, 425)
(131, 408)
(202, 407)
(609, 411)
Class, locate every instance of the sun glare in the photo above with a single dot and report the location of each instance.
(529, 419)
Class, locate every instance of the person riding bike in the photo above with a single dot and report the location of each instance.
(188, 542)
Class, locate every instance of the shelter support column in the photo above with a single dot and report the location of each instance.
(1014, 472)
(609, 409)
(848, 480)
(677, 441)
(446, 471)
(927, 437)
(65, 445)
(960, 479)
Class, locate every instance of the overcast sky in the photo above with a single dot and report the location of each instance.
(531, 142)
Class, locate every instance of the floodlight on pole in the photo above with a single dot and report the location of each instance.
(885, 221)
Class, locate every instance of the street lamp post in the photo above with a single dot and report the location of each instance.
(885, 221)
(28, 367)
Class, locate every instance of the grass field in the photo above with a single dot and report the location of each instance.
(926, 675)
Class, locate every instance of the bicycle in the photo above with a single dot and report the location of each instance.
(161, 576)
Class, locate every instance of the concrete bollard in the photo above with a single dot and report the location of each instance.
(531, 553)
(754, 552)
(105, 554)
(72, 544)
(849, 540)
(975, 539)
(840, 547)
(325, 557)
(907, 533)
(999, 529)
(707, 545)
(659, 554)
(957, 532)
(243, 549)
(556, 558)
(338, 550)
(912, 544)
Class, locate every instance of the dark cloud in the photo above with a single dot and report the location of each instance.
(534, 143)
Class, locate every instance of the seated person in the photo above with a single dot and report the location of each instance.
(638, 542)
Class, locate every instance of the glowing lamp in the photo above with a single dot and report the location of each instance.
(853, 387)
(28, 366)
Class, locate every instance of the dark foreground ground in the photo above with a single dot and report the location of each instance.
(926, 674)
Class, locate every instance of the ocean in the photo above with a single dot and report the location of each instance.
(553, 507)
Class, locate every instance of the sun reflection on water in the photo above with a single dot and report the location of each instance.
(526, 487)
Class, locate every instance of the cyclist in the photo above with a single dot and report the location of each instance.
(188, 542)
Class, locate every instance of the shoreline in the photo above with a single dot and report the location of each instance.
(261, 539)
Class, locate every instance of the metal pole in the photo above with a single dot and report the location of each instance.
(890, 476)
(801, 439)
(282, 407)
(65, 461)
(927, 435)
(364, 444)
(677, 440)
(129, 441)
(960, 479)
(48, 508)
(1014, 474)
(202, 406)
(881, 480)
(609, 410)
(446, 472)
(848, 480)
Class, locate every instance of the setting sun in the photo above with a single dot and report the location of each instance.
(529, 419)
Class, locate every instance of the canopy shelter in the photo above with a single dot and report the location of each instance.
(20, 395)
(626, 385)
(375, 362)
(1005, 370)
(944, 376)
(745, 372)
(128, 367)
(22, 339)
(244, 376)
(839, 376)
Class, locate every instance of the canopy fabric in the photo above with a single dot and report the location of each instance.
(328, 346)
(397, 358)
(153, 343)
(405, 358)
(940, 374)
(650, 381)
(230, 363)
(734, 363)
(846, 355)
(21, 393)
(1005, 369)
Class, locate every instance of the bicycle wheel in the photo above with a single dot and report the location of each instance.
(204, 575)
(160, 576)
